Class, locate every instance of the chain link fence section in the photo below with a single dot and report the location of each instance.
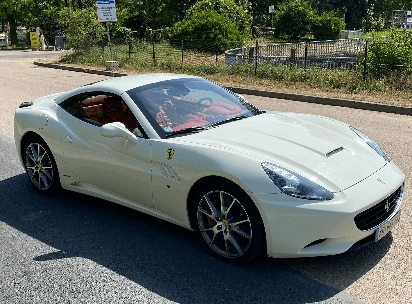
(332, 54)
(347, 54)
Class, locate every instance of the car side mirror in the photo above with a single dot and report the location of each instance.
(117, 129)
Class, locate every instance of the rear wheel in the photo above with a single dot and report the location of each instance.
(228, 223)
(40, 165)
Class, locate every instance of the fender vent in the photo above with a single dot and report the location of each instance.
(168, 172)
(334, 152)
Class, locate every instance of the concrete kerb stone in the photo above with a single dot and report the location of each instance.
(327, 101)
(75, 69)
(279, 95)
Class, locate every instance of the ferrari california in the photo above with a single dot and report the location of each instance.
(193, 153)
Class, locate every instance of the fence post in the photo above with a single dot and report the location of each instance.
(154, 56)
(182, 51)
(365, 61)
(306, 53)
(256, 55)
(216, 51)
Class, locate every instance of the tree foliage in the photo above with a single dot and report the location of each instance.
(15, 12)
(328, 26)
(208, 25)
(228, 8)
(392, 55)
(294, 18)
(372, 21)
(81, 27)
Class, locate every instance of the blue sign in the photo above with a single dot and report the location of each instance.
(102, 2)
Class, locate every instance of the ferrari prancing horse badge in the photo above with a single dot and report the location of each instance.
(170, 153)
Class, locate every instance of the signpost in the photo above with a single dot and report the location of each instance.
(271, 8)
(106, 12)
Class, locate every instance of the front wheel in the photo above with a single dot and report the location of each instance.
(40, 165)
(228, 223)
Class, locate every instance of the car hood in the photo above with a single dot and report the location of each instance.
(323, 150)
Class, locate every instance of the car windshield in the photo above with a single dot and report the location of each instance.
(187, 105)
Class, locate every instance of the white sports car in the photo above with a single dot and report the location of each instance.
(186, 150)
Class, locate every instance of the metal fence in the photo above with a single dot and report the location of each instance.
(346, 54)
(331, 54)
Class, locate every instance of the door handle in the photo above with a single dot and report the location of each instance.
(69, 139)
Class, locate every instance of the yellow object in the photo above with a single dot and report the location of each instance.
(34, 40)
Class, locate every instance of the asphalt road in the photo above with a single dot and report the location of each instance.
(76, 249)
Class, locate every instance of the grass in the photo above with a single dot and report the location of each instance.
(394, 89)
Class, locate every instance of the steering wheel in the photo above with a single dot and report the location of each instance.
(205, 98)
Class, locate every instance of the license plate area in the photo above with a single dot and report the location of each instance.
(383, 230)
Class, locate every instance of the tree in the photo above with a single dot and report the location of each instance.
(208, 25)
(81, 27)
(259, 10)
(294, 18)
(14, 11)
(154, 14)
(328, 26)
(228, 8)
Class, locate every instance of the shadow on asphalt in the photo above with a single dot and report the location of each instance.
(165, 258)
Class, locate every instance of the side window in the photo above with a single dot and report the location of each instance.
(86, 106)
(100, 108)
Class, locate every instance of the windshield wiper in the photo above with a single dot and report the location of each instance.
(186, 131)
(227, 120)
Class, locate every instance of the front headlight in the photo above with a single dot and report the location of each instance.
(295, 185)
(371, 143)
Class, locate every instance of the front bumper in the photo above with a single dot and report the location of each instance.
(304, 228)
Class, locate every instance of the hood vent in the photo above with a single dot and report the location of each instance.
(334, 152)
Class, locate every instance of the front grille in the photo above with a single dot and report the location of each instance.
(377, 214)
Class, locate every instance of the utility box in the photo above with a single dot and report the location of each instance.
(60, 42)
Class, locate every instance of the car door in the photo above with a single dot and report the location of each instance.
(114, 164)
(83, 147)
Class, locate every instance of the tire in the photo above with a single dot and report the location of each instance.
(40, 165)
(232, 231)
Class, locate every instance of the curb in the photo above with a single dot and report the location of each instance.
(74, 69)
(363, 105)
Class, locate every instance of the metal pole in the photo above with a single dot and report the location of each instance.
(216, 51)
(110, 45)
(306, 54)
(154, 56)
(272, 22)
(256, 55)
(364, 63)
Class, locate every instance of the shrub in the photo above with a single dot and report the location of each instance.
(386, 57)
(208, 25)
(124, 35)
(328, 27)
(227, 8)
(294, 19)
(81, 28)
(371, 22)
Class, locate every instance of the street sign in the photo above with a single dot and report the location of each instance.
(106, 10)
(271, 8)
(34, 41)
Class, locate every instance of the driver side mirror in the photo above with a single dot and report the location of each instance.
(117, 129)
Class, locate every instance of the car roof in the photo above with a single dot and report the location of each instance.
(125, 83)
